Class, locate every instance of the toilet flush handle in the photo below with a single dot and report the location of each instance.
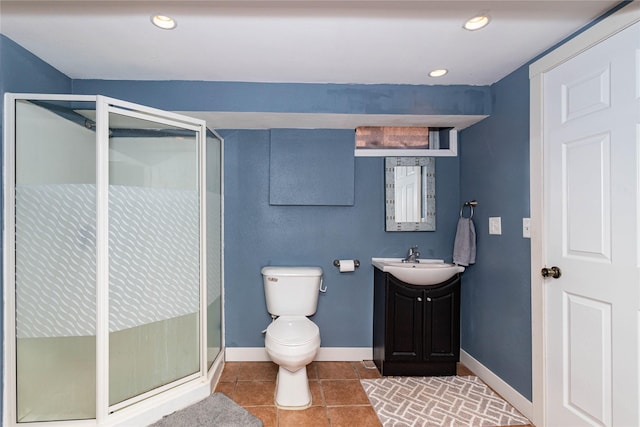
(321, 288)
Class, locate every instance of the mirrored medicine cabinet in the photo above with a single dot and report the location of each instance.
(410, 193)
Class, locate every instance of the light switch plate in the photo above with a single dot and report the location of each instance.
(526, 228)
(495, 225)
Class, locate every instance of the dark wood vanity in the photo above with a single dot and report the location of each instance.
(416, 329)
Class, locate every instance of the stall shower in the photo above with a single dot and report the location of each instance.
(113, 269)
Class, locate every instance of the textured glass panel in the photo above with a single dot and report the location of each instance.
(55, 261)
(154, 249)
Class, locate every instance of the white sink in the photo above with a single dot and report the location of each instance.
(427, 272)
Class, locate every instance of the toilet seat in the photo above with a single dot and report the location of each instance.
(292, 331)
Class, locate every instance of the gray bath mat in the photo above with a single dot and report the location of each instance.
(216, 410)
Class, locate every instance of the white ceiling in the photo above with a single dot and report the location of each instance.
(396, 42)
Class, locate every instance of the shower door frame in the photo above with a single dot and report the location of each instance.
(202, 379)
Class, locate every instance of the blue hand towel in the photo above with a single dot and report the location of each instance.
(464, 246)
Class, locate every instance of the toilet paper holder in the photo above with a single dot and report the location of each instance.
(356, 263)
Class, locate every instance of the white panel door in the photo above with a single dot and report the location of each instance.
(591, 233)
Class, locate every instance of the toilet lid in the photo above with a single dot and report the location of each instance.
(292, 330)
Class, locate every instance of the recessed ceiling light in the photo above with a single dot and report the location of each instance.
(477, 22)
(164, 22)
(438, 73)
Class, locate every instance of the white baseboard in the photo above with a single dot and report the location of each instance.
(344, 354)
(325, 354)
(510, 394)
(245, 354)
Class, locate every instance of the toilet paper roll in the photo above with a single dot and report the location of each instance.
(347, 265)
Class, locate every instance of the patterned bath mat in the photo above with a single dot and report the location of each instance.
(439, 401)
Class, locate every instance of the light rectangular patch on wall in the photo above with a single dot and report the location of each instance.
(392, 137)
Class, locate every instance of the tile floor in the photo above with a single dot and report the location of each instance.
(337, 397)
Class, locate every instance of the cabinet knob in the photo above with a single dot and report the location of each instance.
(419, 299)
(428, 298)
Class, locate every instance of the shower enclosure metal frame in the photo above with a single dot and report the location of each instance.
(148, 404)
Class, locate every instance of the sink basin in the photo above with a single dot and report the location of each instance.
(427, 272)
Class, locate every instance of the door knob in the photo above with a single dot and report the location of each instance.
(553, 272)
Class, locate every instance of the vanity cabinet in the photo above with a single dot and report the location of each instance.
(416, 329)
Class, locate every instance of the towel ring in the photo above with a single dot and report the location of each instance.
(470, 214)
(470, 204)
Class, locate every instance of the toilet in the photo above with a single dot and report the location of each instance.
(292, 340)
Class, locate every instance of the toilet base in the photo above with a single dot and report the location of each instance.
(292, 389)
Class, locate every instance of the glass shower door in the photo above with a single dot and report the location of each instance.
(55, 261)
(154, 255)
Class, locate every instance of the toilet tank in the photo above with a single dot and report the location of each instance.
(291, 291)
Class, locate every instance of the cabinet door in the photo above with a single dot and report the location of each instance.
(442, 323)
(404, 322)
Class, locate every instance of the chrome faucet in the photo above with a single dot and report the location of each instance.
(412, 255)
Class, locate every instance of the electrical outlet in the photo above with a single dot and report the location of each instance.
(526, 228)
(495, 225)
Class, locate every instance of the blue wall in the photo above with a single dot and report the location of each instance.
(295, 97)
(257, 234)
(496, 301)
